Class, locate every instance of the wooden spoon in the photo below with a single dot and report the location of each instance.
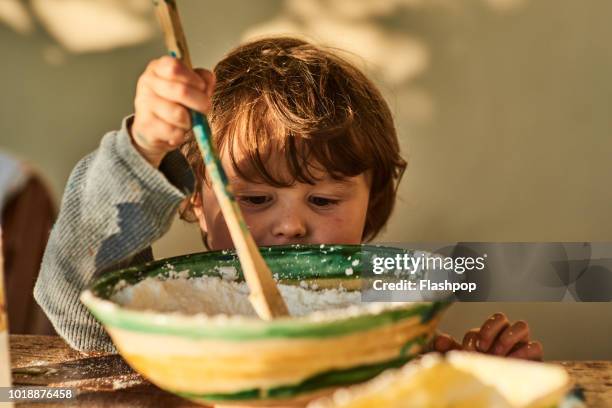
(264, 297)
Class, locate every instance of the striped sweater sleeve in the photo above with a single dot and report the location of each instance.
(115, 205)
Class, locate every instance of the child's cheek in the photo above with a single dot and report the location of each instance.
(340, 229)
(259, 223)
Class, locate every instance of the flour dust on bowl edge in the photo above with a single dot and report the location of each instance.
(217, 351)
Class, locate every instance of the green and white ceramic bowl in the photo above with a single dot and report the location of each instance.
(240, 360)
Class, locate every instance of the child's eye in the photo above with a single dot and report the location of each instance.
(255, 200)
(322, 201)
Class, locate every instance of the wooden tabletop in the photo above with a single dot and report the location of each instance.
(102, 379)
(105, 380)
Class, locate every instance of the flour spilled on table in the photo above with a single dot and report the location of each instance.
(223, 296)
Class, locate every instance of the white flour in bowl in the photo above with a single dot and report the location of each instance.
(217, 296)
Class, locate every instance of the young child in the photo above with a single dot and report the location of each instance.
(310, 149)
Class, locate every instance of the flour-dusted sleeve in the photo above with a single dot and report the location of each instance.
(114, 206)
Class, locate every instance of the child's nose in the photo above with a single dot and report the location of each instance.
(289, 226)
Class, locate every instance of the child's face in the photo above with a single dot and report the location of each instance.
(328, 212)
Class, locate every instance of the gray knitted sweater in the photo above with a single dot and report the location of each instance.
(114, 206)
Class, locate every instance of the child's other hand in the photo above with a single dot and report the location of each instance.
(496, 336)
(164, 92)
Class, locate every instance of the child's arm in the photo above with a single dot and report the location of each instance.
(116, 203)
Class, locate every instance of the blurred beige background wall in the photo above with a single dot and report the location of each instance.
(503, 109)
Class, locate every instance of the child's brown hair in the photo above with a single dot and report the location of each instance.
(288, 97)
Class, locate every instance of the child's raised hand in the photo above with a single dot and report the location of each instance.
(496, 336)
(164, 92)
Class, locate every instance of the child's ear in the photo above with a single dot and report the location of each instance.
(198, 211)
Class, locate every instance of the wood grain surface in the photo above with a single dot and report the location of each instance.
(105, 380)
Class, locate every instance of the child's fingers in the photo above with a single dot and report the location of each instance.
(158, 121)
(209, 79)
(444, 343)
(470, 340)
(172, 113)
(166, 134)
(529, 351)
(490, 330)
(174, 70)
(183, 94)
(517, 333)
(155, 135)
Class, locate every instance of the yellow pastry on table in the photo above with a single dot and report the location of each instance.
(458, 380)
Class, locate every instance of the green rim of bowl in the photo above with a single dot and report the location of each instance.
(289, 264)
